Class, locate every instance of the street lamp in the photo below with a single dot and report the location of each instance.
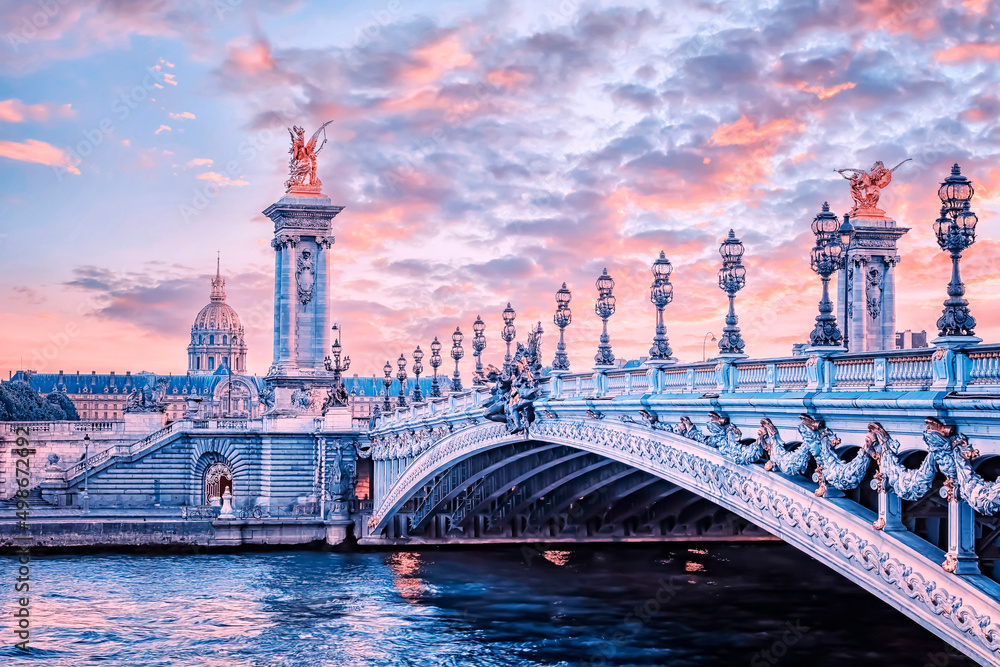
(605, 308)
(85, 495)
(846, 234)
(956, 231)
(478, 345)
(562, 319)
(401, 376)
(456, 353)
(507, 333)
(704, 343)
(435, 364)
(418, 368)
(732, 278)
(661, 293)
(334, 365)
(826, 257)
(387, 381)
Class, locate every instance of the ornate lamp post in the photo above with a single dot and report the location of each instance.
(507, 333)
(605, 308)
(334, 365)
(956, 231)
(435, 364)
(456, 353)
(826, 257)
(85, 494)
(401, 376)
(387, 381)
(418, 368)
(478, 345)
(732, 278)
(661, 293)
(562, 319)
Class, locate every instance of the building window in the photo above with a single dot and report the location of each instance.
(211, 339)
(105, 415)
(211, 363)
(197, 363)
(225, 339)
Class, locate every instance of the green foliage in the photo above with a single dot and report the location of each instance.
(19, 402)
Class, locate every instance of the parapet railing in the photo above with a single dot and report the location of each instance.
(972, 368)
(112, 426)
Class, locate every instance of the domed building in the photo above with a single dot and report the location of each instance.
(217, 335)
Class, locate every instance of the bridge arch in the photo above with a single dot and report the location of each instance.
(899, 568)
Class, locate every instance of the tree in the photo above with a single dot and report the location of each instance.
(19, 402)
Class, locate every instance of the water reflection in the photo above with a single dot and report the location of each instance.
(655, 605)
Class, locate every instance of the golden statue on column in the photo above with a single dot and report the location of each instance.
(867, 186)
(302, 179)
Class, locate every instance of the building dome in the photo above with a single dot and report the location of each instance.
(217, 335)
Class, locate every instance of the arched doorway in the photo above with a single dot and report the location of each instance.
(218, 478)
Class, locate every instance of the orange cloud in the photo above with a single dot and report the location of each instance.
(183, 114)
(15, 111)
(743, 132)
(162, 128)
(220, 179)
(824, 93)
(970, 51)
(434, 60)
(507, 78)
(200, 162)
(250, 58)
(37, 151)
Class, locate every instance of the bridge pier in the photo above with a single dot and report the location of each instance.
(961, 557)
(890, 512)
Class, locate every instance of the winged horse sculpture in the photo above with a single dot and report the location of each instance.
(302, 163)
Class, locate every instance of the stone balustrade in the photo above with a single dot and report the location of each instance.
(921, 369)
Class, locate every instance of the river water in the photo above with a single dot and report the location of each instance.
(725, 604)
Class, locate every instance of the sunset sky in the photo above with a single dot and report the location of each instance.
(485, 152)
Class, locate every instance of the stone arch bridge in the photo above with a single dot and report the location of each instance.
(880, 465)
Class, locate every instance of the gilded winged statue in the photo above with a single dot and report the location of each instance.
(302, 163)
(866, 186)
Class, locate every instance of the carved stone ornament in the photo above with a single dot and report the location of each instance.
(301, 400)
(305, 276)
(873, 281)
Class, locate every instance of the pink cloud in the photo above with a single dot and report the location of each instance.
(15, 111)
(220, 179)
(37, 151)
(963, 53)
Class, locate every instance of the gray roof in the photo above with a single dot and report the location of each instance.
(116, 383)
